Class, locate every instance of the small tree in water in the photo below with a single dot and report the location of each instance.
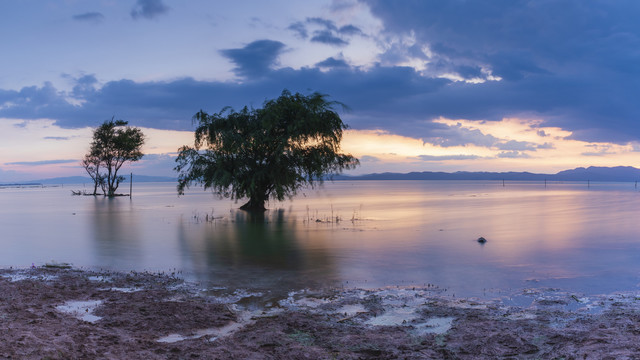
(265, 153)
(114, 143)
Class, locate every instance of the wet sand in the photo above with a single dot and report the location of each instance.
(59, 313)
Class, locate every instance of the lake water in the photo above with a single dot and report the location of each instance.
(365, 234)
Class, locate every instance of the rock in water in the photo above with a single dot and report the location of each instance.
(482, 240)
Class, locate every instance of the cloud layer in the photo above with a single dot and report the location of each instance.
(256, 59)
(324, 31)
(95, 17)
(42, 162)
(571, 64)
(148, 9)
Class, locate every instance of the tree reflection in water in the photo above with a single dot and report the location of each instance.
(267, 251)
(116, 231)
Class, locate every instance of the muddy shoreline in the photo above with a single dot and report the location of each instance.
(60, 313)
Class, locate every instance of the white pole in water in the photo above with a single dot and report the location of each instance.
(130, 184)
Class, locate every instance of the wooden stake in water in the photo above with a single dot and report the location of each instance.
(130, 184)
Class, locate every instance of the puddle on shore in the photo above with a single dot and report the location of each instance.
(393, 317)
(21, 277)
(82, 310)
(466, 304)
(244, 319)
(565, 301)
(303, 299)
(407, 316)
(122, 289)
(312, 302)
(237, 296)
(521, 315)
(400, 307)
(351, 310)
(518, 300)
(439, 325)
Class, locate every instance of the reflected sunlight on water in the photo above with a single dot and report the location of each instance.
(347, 233)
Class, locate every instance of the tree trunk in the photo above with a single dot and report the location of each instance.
(254, 204)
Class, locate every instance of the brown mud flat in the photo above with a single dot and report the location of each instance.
(70, 313)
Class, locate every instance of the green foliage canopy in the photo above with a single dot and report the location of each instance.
(265, 153)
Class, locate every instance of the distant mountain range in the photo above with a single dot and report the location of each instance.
(592, 173)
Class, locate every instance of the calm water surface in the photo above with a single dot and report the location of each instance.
(347, 233)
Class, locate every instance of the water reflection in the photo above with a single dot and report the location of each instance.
(258, 251)
(115, 227)
(389, 233)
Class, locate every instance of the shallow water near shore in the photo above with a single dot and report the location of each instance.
(353, 234)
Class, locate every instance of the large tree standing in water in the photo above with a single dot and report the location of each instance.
(265, 153)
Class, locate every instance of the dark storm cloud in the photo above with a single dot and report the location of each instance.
(84, 86)
(572, 62)
(350, 30)
(90, 17)
(324, 31)
(34, 102)
(327, 24)
(148, 9)
(327, 37)
(332, 63)
(396, 99)
(300, 29)
(514, 65)
(256, 59)
(379, 98)
(468, 72)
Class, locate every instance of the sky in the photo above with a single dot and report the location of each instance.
(456, 85)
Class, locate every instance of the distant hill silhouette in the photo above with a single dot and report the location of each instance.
(592, 173)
